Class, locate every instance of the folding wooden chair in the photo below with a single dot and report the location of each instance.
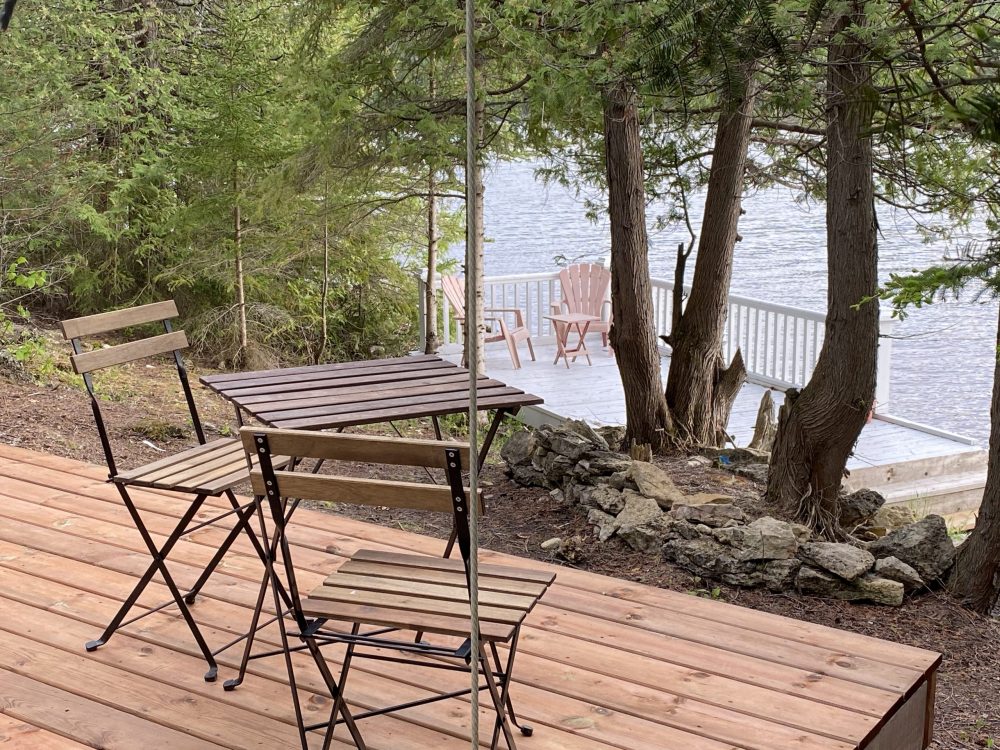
(389, 591)
(209, 469)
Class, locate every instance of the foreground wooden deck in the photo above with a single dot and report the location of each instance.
(604, 663)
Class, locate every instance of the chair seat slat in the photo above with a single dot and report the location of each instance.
(439, 563)
(452, 578)
(438, 624)
(416, 604)
(457, 593)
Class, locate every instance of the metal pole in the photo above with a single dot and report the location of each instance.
(471, 341)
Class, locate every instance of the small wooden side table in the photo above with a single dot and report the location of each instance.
(564, 324)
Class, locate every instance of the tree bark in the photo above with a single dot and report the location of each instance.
(324, 299)
(632, 333)
(431, 342)
(817, 431)
(241, 300)
(975, 579)
(699, 406)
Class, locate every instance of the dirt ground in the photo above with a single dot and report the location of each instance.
(146, 414)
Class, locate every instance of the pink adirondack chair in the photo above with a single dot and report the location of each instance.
(585, 290)
(454, 291)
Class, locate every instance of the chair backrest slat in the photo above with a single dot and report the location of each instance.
(361, 448)
(356, 491)
(454, 291)
(303, 444)
(585, 287)
(116, 319)
(122, 353)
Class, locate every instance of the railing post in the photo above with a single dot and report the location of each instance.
(883, 369)
(422, 308)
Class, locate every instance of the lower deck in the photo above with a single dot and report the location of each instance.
(594, 393)
(603, 663)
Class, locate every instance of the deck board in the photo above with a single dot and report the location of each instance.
(604, 663)
(594, 393)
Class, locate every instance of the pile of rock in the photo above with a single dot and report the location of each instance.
(710, 536)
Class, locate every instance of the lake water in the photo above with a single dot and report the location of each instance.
(942, 367)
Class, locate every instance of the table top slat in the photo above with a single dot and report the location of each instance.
(226, 377)
(346, 394)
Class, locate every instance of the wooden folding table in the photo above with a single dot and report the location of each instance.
(346, 394)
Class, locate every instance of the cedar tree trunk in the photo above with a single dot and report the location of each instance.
(820, 426)
(632, 333)
(975, 579)
(431, 343)
(700, 387)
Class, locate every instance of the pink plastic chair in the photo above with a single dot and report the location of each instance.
(454, 291)
(585, 290)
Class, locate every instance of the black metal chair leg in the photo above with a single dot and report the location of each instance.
(502, 725)
(266, 581)
(526, 729)
(241, 526)
(158, 563)
(345, 668)
(336, 693)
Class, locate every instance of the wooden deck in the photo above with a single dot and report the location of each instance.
(595, 394)
(604, 663)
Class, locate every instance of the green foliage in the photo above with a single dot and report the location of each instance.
(129, 134)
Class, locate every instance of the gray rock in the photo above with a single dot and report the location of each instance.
(588, 433)
(685, 530)
(858, 508)
(896, 570)
(558, 495)
(518, 449)
(612, 434)
(754, 472)
(925, 546)
(802, 533)
(882, 590)
(894, 517)
(843, 560)
(711, 515)
(606, 524)
(777, 539)
(570, 444)
(642, 525)
(606, 462)
(616, 480)
(654, 482)
(602, 497)
(869, 588)
(765, 539)
(528, 476)
(706, 498)
(555, 467)
(705, 557)
(774, 575)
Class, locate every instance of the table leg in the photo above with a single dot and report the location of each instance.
(562, 335)
(582, 345)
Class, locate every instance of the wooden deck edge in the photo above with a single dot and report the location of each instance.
(910, 724)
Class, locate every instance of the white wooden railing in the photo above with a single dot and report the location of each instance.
(780, 343)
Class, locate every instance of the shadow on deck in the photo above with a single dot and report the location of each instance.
(604, 663)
